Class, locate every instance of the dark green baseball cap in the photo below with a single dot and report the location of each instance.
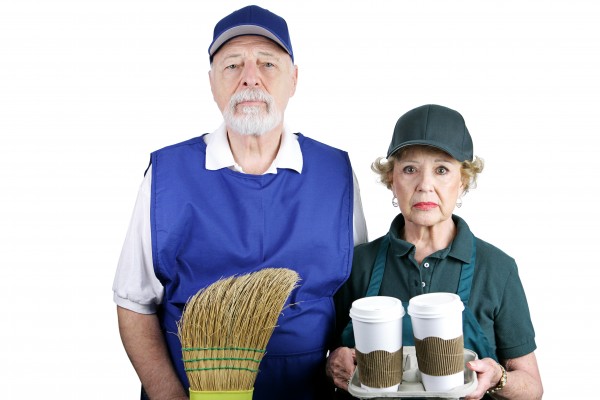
(436, 126)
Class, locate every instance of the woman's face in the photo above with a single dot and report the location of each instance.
(427, 184)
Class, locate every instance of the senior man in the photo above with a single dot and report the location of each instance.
(249, 195)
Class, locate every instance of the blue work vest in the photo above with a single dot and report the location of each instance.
(211, 224)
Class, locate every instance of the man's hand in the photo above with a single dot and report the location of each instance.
(340, 366)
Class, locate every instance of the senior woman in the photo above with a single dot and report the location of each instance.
(429, 167)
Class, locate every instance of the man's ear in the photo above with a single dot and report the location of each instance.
(294, 80)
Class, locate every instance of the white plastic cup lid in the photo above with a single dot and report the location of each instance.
(377, 309)
(435, 305)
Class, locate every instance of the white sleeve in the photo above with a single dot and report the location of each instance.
(360, 225)
(136, 287)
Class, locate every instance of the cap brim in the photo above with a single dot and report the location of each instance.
(241, 30)
(424, 143)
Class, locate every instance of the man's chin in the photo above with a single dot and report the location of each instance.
(255, 126)
(245, 111)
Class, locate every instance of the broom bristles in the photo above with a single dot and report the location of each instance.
(226, 326)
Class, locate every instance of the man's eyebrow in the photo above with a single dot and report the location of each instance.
(269, 54)
(232, 55)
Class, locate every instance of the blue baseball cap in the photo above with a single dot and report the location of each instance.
(436, 126)
(251, 20)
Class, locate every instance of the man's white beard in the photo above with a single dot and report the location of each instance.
(249, 120)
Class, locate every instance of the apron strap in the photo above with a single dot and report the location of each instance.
(466, 277)
(473, 335)
(379, 268)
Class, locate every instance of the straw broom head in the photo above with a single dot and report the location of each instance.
(226, 326)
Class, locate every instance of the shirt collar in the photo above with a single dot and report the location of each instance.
(219, 155)
(460, 248)
(462, 245)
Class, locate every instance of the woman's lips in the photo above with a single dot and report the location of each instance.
(425, 205)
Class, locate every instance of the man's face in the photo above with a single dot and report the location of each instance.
(252, 80)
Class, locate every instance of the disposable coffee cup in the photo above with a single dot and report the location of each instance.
(437, 329)
(377, 325)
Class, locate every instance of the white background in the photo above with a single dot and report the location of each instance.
(89, 88)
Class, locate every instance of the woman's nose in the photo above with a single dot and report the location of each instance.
(425, 182)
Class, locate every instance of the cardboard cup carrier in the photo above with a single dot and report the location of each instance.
(437, 328)
(377, 325)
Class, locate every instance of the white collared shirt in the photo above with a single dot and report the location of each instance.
(219, 155)
(135, 286)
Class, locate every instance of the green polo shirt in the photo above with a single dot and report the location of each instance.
(497, 299)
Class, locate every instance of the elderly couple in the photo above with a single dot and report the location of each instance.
(252, 194)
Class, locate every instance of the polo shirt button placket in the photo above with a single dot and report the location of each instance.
(423, 283)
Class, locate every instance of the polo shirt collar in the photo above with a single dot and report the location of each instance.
(462, 245)
(401, 247)
(460, 248)
(219, 155)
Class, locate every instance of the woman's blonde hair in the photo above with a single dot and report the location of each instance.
(385, 166)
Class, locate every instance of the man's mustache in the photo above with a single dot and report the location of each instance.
(251, 95)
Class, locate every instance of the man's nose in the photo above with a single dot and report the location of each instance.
(250, 77)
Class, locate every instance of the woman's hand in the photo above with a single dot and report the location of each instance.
(489, 374)
(340, 366)
(523, 378)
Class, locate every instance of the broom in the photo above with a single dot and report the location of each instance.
(225, 328)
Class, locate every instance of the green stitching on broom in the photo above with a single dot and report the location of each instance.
(217, 368)
(222, 348)
(221, 359)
